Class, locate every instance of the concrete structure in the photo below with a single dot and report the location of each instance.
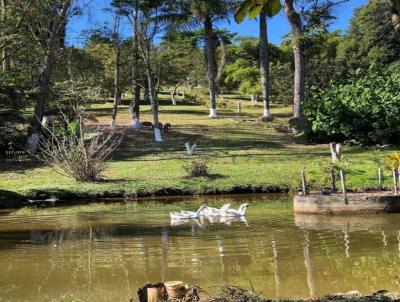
(356, 203)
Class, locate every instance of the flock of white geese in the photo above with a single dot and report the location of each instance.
(206, 211)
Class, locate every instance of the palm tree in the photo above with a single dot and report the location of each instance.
(261, 8)
(206, 13)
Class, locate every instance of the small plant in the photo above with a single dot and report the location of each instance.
(197, 168)
(79, 152)
(331, 173)
(393, 163)
(393, 160)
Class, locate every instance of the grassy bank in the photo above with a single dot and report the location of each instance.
(243, 156)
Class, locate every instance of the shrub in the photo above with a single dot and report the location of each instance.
(366, 109)
(79, 152)
(393, 160)
(197, 168)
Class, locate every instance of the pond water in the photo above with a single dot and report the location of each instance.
(106, 252)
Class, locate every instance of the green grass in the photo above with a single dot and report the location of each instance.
(238, 149)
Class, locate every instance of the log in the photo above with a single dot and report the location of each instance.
(152, 293)
(176, 289)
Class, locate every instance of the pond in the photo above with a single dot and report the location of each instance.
(106, 252)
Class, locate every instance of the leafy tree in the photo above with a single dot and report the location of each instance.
(47, 22)
(364, 109)
(395, 15)
(183, 60)
(243, 70)
(370, 39)
(322, 64)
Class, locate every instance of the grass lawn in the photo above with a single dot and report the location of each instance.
(238, 149)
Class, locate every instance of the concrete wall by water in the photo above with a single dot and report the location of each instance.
(356, 203)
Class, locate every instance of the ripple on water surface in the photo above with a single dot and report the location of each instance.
(106, 252)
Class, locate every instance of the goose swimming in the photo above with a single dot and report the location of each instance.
(187, 214)
(210, 211)
(235, 213)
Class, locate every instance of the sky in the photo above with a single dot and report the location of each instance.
(95, 16)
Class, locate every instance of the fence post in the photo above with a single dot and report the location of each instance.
(304, 182)
(333, 181)
(343, 180)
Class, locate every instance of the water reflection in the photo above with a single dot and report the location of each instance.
(204, 221)
(106, 256)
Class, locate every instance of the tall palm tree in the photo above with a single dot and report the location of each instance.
(256, 7)
(261, 8)
(206, 13)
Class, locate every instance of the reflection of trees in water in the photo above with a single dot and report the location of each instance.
(299, 259)
(51, 237)
(308, 264)
(351, 252)
(276, 268)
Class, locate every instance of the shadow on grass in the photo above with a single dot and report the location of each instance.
(210, 176)
(20, 165)
(208, 139)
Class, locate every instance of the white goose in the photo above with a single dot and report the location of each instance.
(187, 214)
(235, 213)
(210, 211)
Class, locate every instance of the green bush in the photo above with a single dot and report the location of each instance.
(366, 109)
(197, 168)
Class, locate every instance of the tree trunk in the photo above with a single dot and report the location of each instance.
(253, 98)
(117, 65)
(5, 60)
(135, 103)
(299, 60)
(154, 108)
(43, 94)
(264, 64)
(211, 64)
(50, 46)
(395, 15)
(222, 60)
(174, 93)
